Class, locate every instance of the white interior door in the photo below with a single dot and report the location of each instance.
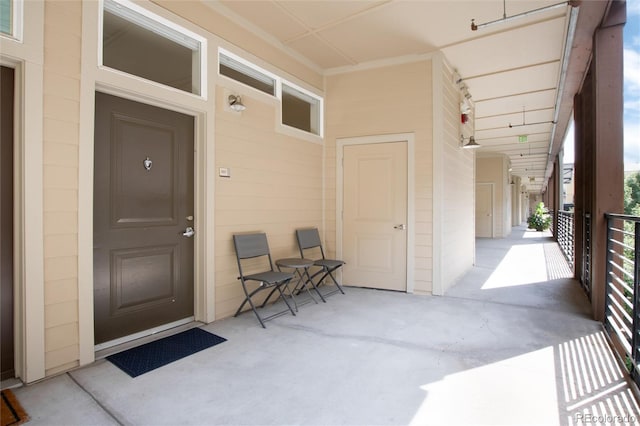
(375, 215)
(484, 210)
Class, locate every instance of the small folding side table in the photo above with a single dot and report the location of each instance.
(301, 270)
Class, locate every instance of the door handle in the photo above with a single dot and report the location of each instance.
(401, 226)
(189, 232)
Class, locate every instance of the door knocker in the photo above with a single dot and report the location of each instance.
(147, 163)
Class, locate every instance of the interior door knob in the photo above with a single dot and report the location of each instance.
(401, 226)
(189, 232)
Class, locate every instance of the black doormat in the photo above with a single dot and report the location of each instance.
(142, 359)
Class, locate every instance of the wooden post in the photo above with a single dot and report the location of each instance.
(608, 162)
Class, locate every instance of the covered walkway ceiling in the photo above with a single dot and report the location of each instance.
(512, 68)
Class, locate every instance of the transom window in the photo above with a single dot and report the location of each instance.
(141, 43)
(11, 18)
(301, 109)
(240, 70)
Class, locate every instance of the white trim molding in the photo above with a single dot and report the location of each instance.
(26, 56)
(96, 78)
(437, 63)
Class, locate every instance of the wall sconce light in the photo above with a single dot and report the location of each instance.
(469, 145)
(235, 103)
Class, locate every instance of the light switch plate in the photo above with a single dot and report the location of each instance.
(224, 172)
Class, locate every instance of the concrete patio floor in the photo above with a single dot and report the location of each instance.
(511, 343)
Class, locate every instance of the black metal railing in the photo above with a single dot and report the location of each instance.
(621, 292)
(565, 235)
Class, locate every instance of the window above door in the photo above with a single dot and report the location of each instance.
(245, 72)
(140, 43)
(11, 19)
(300, 108)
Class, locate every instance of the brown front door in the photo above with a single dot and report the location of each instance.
(143, 203)
(6, 221)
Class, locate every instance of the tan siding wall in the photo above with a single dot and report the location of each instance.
(394, 99)
(458, 224)
(63, 25)
(276, 184)
(275, 187)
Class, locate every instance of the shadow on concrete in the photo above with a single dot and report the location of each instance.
(494, 350)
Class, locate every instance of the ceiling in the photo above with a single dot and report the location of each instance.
(512, 68)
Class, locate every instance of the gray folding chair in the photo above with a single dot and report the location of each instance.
(251, 246)
(309, 239)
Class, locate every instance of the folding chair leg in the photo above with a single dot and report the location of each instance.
(242, 306)
(247, 299)
(313, 284)
(304, 285)
(282, 296)
(316, 286)
(269, 296)
(334, 280)
(253, 307)
(328, 273)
